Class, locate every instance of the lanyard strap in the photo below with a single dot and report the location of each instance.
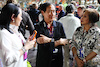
(51, 31)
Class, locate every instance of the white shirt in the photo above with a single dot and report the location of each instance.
(10, 44)
(40, 17)
(70, 24)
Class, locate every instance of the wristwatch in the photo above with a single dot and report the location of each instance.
(52, 40)
(23, 49)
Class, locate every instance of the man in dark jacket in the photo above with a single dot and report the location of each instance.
(50, 39)
(33, 12)
(26, 21)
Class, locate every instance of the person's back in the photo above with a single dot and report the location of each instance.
(26, 21)
(33, 12)
(70, 23)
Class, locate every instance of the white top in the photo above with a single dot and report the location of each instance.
(10, 44)
(40, 17)
(70, 24)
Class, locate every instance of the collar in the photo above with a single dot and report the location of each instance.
(13, 28)
(91, 30)
(45, 25)
(70, 14)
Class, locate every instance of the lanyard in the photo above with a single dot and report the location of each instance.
(51, 31)
(25, 54)
(81, 50)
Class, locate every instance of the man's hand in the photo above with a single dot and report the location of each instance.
(43, 39)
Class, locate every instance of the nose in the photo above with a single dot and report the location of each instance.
(51, 13)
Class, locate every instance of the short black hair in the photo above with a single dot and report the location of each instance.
(70, 8)
(45, 5)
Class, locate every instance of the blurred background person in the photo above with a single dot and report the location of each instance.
(40, 17)
(62, 12)
(80, 10)
(70, 23)
(13, 47)
(34, 12)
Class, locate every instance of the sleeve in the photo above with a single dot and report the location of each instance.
(62, 31)
(96, 47)
(9, 55)
(30, 24)
(72, 42)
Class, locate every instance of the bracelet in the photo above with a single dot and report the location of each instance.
(84, 60)
(23, 49)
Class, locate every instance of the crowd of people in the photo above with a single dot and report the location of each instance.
(66, 37)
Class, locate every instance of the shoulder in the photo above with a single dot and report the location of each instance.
(79, 28)
(62, 18)
(57, 23)
(24, 14)
(4, 33)
(96, 29)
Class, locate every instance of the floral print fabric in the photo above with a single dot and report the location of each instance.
(86, 42)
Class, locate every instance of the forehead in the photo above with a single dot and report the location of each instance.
(51, 7)
(79, 8)
(86, 12)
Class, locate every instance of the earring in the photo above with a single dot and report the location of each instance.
(13, 20)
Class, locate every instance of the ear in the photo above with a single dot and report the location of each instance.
(12, 17)
(42, 12)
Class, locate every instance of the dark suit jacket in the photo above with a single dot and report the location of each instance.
(45, 55)
(26, 20)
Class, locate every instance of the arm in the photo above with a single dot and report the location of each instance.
(96, 48)
(30, 24)
(73, 43)
(80, 63)
(9, 52)
(43, 39)
(90, 56)
(28, 45)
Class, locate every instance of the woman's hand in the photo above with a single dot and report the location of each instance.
(80, 63)
(43, 39)
(29, 44)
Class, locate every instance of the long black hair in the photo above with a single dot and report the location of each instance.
(7, 11)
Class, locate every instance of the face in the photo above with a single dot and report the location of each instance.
(79, 12)
(18, 18)
(49, 14)
(85, 18)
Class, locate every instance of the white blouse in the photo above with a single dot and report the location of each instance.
(10, 44)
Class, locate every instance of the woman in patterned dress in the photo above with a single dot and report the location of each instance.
(85, 43)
